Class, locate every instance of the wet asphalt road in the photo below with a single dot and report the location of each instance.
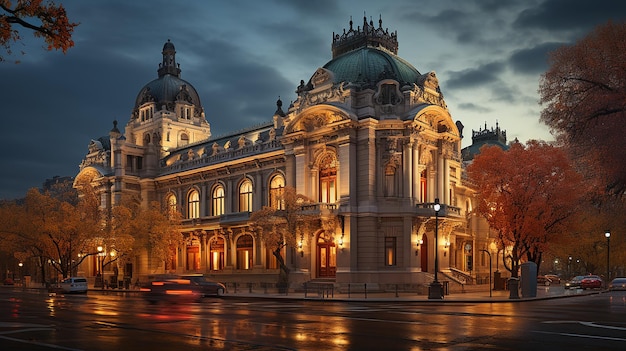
(32, 320)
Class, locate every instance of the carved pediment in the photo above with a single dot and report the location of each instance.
(321, 76)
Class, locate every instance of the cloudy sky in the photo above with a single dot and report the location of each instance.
(242, 55)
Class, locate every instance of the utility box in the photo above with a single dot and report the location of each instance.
(529, 279)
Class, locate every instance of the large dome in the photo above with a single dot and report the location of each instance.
(168, 87)
(368, 65)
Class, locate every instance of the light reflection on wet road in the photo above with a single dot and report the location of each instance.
(35, 321)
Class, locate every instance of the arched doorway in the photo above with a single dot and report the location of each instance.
(424, 253)
(326, 256)
(216, 259)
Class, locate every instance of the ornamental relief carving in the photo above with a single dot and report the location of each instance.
(311, 122)
(320, 77)
(336, 93)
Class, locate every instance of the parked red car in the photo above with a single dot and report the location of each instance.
(591, 282)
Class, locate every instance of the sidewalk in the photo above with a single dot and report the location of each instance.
(476, 293)
(470, 295)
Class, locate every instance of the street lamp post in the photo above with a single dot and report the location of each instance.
(490, 282)
(99, 278)
(435, 290)
(607, 234)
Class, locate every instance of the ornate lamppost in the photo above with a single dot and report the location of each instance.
(435, 290)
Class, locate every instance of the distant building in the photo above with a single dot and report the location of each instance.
(368, 138)
(482, 137)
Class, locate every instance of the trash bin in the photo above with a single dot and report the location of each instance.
(513, 285)
(529, 279)
(446, 287)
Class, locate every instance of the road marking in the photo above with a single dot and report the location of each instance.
(587, 324)
(592, 324)
(582, 336)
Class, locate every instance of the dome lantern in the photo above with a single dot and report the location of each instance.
(169, 66)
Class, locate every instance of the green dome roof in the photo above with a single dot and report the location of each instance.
(368, 66)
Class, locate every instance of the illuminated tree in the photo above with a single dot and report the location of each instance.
(281, 226)
(134, 229)
(53, 232)
(46, 19)
(527, 195)
(584, 93)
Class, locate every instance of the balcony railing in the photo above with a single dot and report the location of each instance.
(428, 209)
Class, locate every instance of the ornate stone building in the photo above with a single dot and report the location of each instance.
(369, 138)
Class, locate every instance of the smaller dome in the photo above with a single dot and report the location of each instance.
(168, 88)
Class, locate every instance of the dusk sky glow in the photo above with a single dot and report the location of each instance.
(242, 55)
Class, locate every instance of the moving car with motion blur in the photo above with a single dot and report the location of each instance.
(618, 284)
(184, 288)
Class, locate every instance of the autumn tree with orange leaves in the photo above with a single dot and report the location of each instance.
(527, 194)
(50, 231)
(281, 226)
(43, 17)
(584, 94)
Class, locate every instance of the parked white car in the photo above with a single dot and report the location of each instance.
(74, 285)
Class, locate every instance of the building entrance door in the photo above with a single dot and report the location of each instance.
(326, 257)
(424, 253)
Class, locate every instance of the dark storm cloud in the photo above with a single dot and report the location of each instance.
(533, 60)
(576, 16)
(470, 106)
(307, 7)
(481, 76)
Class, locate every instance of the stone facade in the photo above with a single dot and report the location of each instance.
(376, 147)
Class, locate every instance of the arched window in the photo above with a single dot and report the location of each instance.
(184, 139)
(171, 205)
(217, 201)
(245, 196)
(193, 204)
(277, 188)
(244, 252)
(328, 178)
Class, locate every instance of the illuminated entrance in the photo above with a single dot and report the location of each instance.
(326, 256)
(424, 254)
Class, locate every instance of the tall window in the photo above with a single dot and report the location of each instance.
(390, 180)
(217, 201)
(277, 188)
(193, 204)
(217, 254)
(328, 178)
(244, 252)
(245, 196)
(423, 187)
(390, 251)
(171, 206)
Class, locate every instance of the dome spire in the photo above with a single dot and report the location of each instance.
(169, 66)
(368, 36)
